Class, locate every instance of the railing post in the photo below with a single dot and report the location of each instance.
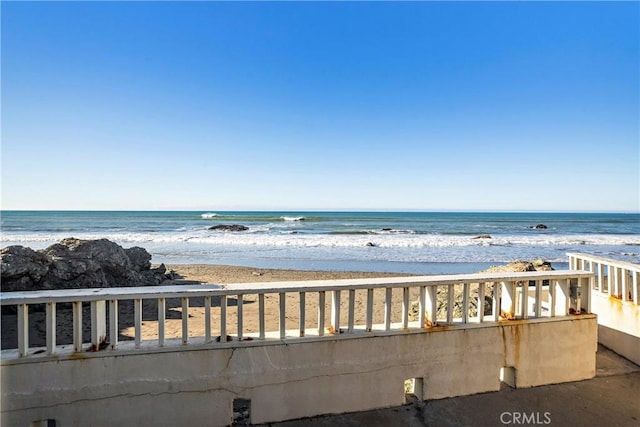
(185, 320)
(113, 323)
(321, 304)
(524, 301)
(23, 329)
(576, 293)
(405, 308)
(207, 319)
(351, 317)
(283, 319)
(302, 316)
(369, 309)
(240, 310)
(77, 326)
(98, 323)
(450, 304)
(431, 304)
(261, 316)
(223, 318)
(614, 281)
(635, 287)
(335, 311)
(465, 302)
(137, 321)
(610, 280)
(162, 306)
(421, 305)
(481, 289)
(538, 299)
(387, 309)
(508, 300)
(51, 327)
(562, 297)
(586, 286)
(497, 303)
(625, 284)
(600, 283)
(552, 298)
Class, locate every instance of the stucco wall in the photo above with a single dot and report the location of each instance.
(619, 325)
(294, 379)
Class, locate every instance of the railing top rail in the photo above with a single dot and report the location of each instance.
(178, 291)
(399, 282)
(599, 259)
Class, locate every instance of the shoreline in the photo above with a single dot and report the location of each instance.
(225, 273)
(230, 273)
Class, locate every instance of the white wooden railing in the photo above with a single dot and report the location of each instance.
(613, 297)
(613, 278)
(511, 295)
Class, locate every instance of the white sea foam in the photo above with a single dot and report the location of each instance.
(292, 218)
(262, 243)
(260, 235)
(289, 240)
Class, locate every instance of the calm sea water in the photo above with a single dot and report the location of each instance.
(410, 242)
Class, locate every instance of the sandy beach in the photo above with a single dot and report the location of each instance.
(220, 274)
(207, 274)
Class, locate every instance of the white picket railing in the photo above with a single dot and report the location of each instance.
(613, 278)
(513, 295)
(614, 297)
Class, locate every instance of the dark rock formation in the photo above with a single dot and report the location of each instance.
(75, 263)
(139, 257)
(541, 265)
(483, 236)
(371, 244)
(229, 227)
(539, 227)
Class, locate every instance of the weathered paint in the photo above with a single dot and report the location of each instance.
(292, 378)
(619, 325)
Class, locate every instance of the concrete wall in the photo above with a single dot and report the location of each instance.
(618, 325)
(293, 379)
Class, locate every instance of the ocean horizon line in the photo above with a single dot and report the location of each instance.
(442, 211)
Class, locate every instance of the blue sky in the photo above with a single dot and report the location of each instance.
(298, 105)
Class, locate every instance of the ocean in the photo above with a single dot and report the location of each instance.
(406, 242)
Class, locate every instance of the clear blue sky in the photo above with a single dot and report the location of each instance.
(291, 105)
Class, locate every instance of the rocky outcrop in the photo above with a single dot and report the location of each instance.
(520, 266)
(76, 263)
(229, 227)
(539, 227)
(482, 236)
